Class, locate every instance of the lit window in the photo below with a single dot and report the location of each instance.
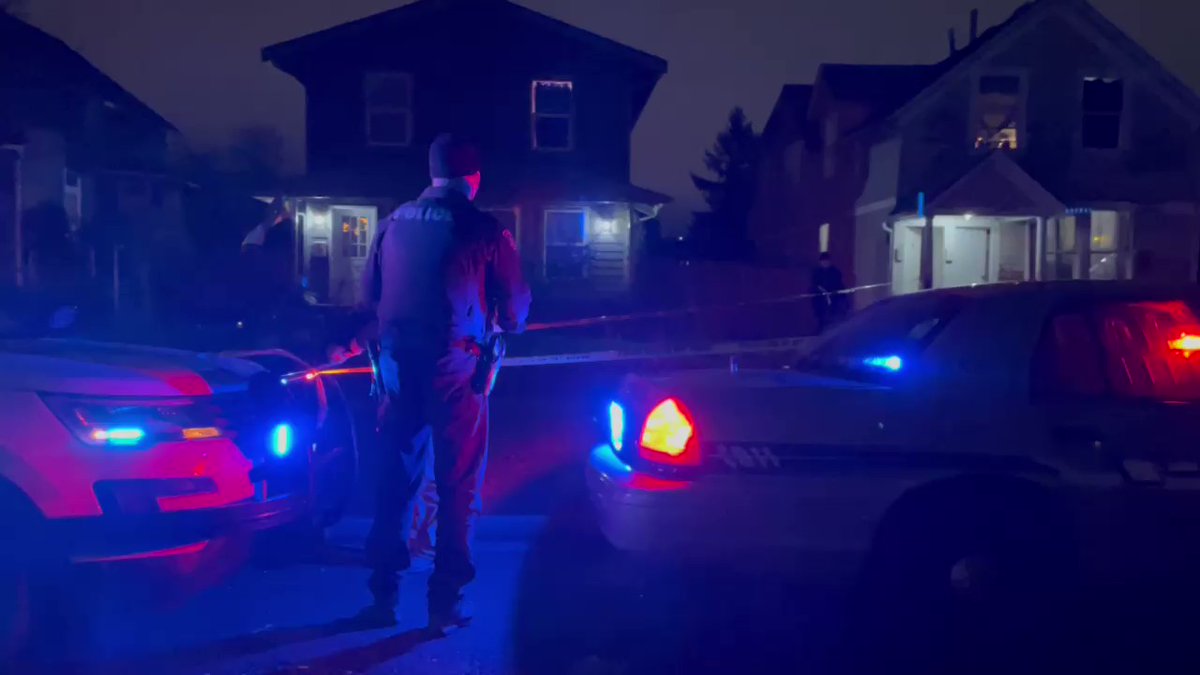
(1103, 100)
(999, 107)
(553, 112)
(1107, 256)
(389, 108)
(823, 238)
(356, 235)
(566, 244)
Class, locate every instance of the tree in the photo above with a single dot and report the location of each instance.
(733, 161)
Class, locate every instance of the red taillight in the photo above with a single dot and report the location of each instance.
(668, 436)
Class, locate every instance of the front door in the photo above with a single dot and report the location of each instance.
(968, 257)
(353, 229)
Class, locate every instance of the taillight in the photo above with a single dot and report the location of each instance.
(668, 436)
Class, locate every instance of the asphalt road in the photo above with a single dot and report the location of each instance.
(553, 598)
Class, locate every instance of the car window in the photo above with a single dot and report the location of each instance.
(1141, 350)
(883, 336)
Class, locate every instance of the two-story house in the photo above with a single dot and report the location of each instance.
(1051, 146)
(551, 106)
(76, 147)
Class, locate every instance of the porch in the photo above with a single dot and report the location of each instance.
(997, 224)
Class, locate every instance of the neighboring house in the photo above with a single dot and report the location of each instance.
(74, 144)
(1051, 146)
(551, 106)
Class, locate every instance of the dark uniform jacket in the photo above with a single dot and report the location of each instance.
(438, 265)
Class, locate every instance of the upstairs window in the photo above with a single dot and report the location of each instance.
(999, 112)
(388, 99)
(553, 112)
(1103, 102)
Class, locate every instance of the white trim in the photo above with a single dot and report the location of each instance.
(370, 110)
(872, 207)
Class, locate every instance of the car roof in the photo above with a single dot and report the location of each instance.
(1062, 291)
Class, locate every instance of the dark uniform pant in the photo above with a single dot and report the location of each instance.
(428, 407)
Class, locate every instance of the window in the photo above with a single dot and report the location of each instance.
(1103, 101)
(73, 199)
(823, 238)
(900, 327)
(566, 244)
(1108, 246)
(999, 109)
(356, 234)
(553, 114)
(388, 99)
(1120, 349)
(829, 166)
(1060, 249)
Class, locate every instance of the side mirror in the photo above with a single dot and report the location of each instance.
(63, 318)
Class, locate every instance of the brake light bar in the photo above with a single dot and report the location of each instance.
(669, 436)
(1186, 343)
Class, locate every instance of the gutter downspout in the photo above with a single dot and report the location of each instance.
(19, 244)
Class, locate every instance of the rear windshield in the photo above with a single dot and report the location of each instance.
(1138, 350)
(882, 338)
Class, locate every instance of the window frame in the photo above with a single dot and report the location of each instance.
(534, 115)
(586, 238)
(975, 108)
(1122, 116)
(370, 110)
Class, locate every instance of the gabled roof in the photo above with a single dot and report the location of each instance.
(790, 112)
(413, 12)
(33, 58)
(1080, 12)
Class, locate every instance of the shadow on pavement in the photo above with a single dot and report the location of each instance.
(362, 658)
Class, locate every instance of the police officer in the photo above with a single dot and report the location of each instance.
(442, 275)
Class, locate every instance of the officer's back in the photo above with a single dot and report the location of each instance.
(436, 261)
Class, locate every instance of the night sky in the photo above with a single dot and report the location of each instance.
(197, 61)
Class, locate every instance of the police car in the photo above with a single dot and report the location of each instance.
(115, 453)
(1033, 426)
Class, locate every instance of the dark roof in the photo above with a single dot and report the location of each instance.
(790, 112)
(423, 8)
(33, 58)
(884, 89)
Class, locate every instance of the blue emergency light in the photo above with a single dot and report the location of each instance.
(281, 440)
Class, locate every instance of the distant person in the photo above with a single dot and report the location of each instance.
(268, 251)
(438, 273)
(829, 301)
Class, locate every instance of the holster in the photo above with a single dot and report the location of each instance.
(491, 354)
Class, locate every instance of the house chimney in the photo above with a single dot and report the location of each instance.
(974, 25)
(953, 45)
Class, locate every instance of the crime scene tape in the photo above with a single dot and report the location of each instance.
(655, 314)
(716, 349)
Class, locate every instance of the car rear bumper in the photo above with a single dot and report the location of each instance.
(711, 522)
(123, 537)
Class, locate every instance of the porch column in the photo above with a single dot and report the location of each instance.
(1083, 245)
(1037, 248)
(927, 254)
